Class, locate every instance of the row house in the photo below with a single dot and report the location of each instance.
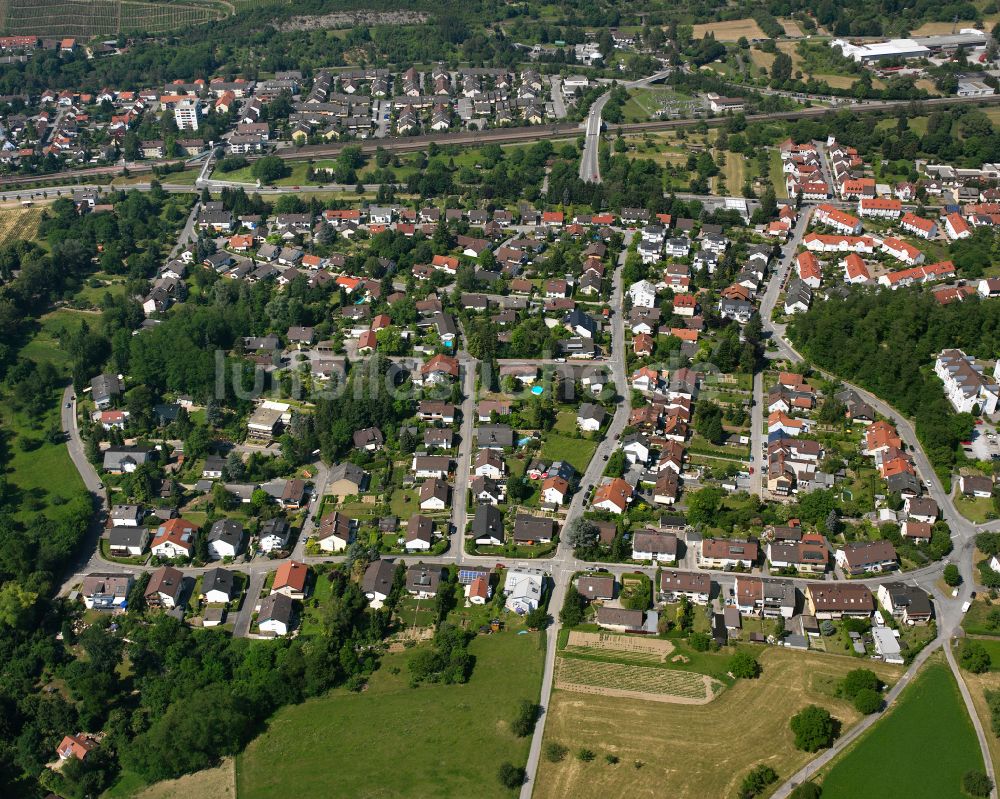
(918, 226)
(965, 384)
(944, 270)
(880, 208)
(819, 242)
(838, 220)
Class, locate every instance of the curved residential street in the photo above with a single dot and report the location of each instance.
(563, 564)
(948, 609)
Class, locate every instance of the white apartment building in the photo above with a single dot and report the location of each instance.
(965, 385)
(187, 114)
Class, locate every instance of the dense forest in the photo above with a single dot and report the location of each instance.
(886, 341)
(186, 698)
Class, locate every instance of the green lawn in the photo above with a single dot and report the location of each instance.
(40, 472)
(576, 451)
(886, 761)
(974, 510)
(776, 175)
(565, 422)
(396, 741)
(974, 621)
(993, 648)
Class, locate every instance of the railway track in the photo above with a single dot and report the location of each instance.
(513, 136)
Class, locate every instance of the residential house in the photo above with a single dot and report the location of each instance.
(530, 530)
(217, 586)
(906, 602)
(592, 586)
(487, 526)
(422, 580)
(861, 557)
(225, 539)
(419, 533)
(839, 600)
(377, 582)
(274, 615)
(696, 586)
(620, 619)
(725, 553)
(654, 546)
(590, 417)
(614, 496)
(765, 596)
(523, 590)
(174, 539)
(369, 439)
(127, 542)
(335, 532)
(346, 479)
(290, 579)
(102, 591)
(165, 587)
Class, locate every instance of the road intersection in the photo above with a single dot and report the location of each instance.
(564, 564)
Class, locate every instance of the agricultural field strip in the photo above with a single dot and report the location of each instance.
(641, 679)
(611, 656)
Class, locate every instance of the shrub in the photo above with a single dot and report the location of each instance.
(974, 657)
(555, 752)
(951, 575)
(700, 642)
(814, 728)
(858, 680)
(976, 783)
(807, 790)
(867, 701)
(756, 782)
(524, 722)
(510, 776)
(586, 755)
(744, 665)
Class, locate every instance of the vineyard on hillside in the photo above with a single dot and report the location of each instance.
(86, 18)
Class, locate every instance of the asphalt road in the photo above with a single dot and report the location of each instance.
(502, 135)
(564, 564)
(948, 609)
(590, 169)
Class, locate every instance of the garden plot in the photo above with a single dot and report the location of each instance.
(620, 647)
(635, 681)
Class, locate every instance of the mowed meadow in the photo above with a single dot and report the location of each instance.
(688, 751)
(393, 741)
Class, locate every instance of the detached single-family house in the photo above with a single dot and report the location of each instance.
(335, 532)
(174, 539)
(487, 526)
(434, 495)
(275, 614)
(523, 590)
(290, 579)
(165, 587)
(377, 582)
(128, 542)
(590, 417)
(419, 533)
(217, 586)
(225, 539)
